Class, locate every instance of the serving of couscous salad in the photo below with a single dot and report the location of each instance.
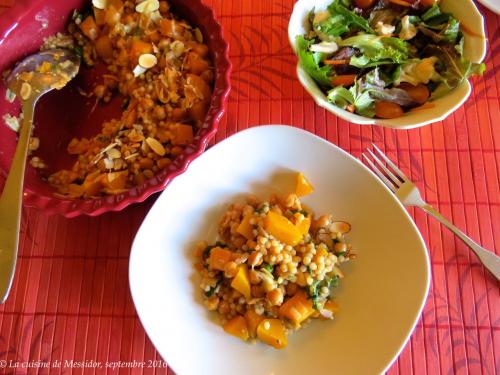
(274, 266)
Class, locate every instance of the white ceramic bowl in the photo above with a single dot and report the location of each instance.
(380, 298)
(474, 50)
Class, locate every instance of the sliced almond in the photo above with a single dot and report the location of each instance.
(340, 227)
(156, 16)
(156, 146)
(147, 6)
(10, 96)
(198, 35)
(144, 147)
(25, 91)
(131, 156)
(147, 60)
(338, 272)
(138, 70)
(113, 153)
(12, 122)
(100, 4)
(108, 163)
(177, 47)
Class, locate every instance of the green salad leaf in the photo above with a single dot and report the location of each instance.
(453, 68)
(432, 12)
(310, 62)
(376, 50)
(446, 32)
(346, 17)
(361, 100)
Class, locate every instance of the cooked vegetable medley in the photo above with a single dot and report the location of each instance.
(381, 58)
(161, 67)
(274, 266)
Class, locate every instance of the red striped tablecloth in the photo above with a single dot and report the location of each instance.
(70, 299)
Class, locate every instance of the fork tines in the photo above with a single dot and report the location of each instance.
(390, 174)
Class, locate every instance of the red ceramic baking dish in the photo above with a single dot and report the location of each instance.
(61, 116)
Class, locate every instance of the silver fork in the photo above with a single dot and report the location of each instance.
(409, 195)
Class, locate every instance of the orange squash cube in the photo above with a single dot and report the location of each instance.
(183, 135)
(303, 186)
(137, 48)
(297, 309)
(245, 228)
(89, 28)
(282, 229)
(253, 320)
(272, 332)
(241, 281)
(303, 225)
(237, 327)
(219, 257)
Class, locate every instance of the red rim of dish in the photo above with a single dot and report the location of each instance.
(93, 207)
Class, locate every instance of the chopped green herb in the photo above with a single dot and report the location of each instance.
(78, 50)
(315, 287)
(213, 289)
(268, 268)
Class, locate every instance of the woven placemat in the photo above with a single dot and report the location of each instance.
(70, 304)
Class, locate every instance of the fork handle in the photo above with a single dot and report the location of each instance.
(488, 258)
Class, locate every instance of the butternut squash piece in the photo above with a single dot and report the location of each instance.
(200, 86)
(115, 180)
(166, 27)
(198, 111)
(241, 281)
(253, 320)
(219, 257)
(183, 135)
(281, 228)
(297, 309)
(117, 4)
(100, 16)
(272, 332)
(196, 64)
(104, 47)
(75, 190)
(303, 186)
(137, 48)
(245, 228)
(303, 225)
(237, 327)
(89, 28)
(92, 185)
(114, 11)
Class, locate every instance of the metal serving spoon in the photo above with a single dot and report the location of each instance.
(31, 78)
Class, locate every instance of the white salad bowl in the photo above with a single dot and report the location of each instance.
(380, 298)
(474, 50)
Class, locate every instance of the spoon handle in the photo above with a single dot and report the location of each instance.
(10, 204)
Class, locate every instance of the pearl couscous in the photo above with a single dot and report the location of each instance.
(161, 67)
(274, 266)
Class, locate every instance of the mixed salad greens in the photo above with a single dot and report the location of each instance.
(381, 58)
